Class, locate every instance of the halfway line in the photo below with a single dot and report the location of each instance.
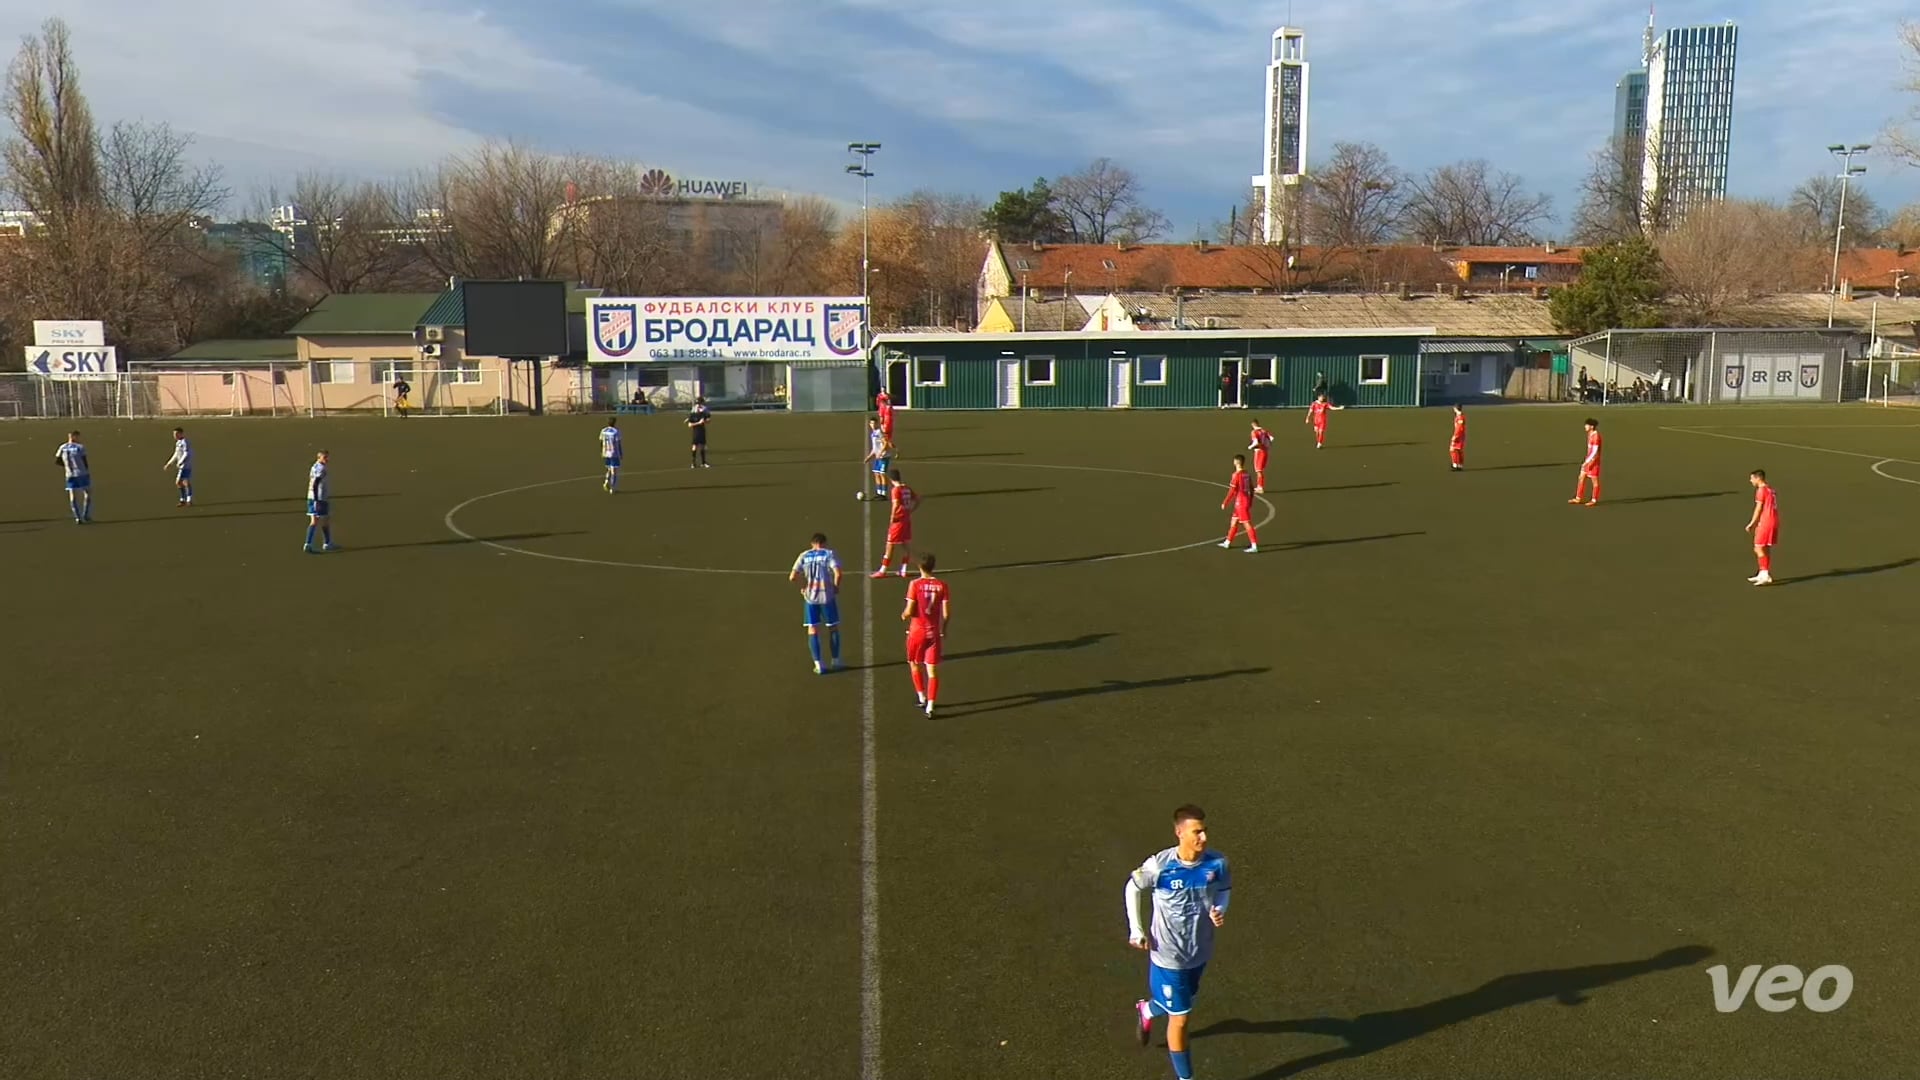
(869, 822)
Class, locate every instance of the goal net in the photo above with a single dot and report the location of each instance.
(153, 392)
(389, 388)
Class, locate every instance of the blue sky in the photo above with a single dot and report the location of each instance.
(974, 97)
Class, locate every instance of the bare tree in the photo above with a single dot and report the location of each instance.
(1903, 228)
(947, 246)
(1614, 202)
(1728, 253)
(1904, 138)
(1103, 202)
(1467, 202)
(1355, 199)
(614, 235)
(791, 256)
(1816, 208)
(344, 234)
(493, 212)
(114, 213)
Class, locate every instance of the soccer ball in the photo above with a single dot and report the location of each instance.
(859, 496)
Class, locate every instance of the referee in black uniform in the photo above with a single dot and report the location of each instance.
(697, 418)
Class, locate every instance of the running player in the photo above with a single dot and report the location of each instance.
(317, 515)
(1188, 885)
(182, 465)
(72, 457)
(1590, 467)
(400, 391)
(926, 618)
(610, 455)
(1317, 416)
(1239, 505)
(1764, 525)
(1261, 443)
(1457, 446)
(883, 404)
(818, 572)
(697, 418)
(879, 456)
(899, 524)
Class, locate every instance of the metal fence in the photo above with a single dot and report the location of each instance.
(1715, 366)
(27, 397)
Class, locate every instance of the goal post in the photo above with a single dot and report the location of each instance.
(353, 387)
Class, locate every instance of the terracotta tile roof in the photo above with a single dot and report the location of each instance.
(1215, 266)
(1539, 256)
(1873, 268)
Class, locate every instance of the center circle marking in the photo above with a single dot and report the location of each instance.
(454, 513)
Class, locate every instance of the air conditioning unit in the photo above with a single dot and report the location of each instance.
(1210, 323)
(436, 333)
(430, 351)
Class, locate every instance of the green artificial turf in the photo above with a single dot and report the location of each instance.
(1500, 777)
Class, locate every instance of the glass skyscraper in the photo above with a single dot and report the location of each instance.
(1688, 116)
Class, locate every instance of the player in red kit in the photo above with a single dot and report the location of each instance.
(1239, 505)
(883, 404)
(1457, 448)
(899, 524)
(1764, 525)
(926, 619)
(1590, 468)
(1261, 443)
(1317, 416)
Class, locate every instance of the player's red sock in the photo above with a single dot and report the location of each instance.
(933, 688)
(1459, 458)
(1260, 478)
(1233, 530)
(1596, 491)
(1252, 537)
(1766, 564)
(919, 682)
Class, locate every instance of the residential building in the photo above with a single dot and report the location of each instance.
(1689, 117)
(1283, 160)
(262, 251)
(18, 222)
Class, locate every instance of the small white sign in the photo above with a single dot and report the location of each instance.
(74, 365)
(69, 333)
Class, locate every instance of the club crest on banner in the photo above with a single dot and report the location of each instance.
(843, 328)
(616, 328)
(1736, 374)
(1809, 375)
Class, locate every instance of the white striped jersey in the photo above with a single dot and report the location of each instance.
(182, 454)
(317, 481)
(610, 442)
(73, 456)
(816, 567)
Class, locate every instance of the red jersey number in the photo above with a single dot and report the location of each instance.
(928, 600)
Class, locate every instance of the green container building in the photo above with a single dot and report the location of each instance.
(1194, 369)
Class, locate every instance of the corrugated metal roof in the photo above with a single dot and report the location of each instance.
(365, 313)
(236, 351)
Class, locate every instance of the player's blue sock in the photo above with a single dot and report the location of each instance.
(187, 492)
(326, 535)
(1182, 1064)
(310, 532)
(833, 640)
(813, 644)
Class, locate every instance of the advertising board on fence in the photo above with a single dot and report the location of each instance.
(69, 333)
(626, 330)
(1755, 376)
(74, 365)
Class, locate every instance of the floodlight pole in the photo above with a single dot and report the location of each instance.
(1848, 171)
(863, 168)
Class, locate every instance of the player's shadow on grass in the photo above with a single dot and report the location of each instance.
(951, 457)
(1850, 571)
(1296, 545)
(1334, 487)
(292, 500)
(1367, 445)
(989, 491)
(693, 487)
(457, 541)
(1082, 642)
(1532, 465)
(1109, 686)
(1369, 1032)
(1671, 498)
(1024, 564)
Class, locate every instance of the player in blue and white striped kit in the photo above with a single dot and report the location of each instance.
(610, 455)
(182, 464)
(317, 516)
(880, 453)
(73, 458)
(1187, 884)
(818, 572)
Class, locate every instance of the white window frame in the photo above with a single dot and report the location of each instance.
(1140, 370)
(1463, 365)
(1026, 370)
(1273, 369)
(1386, 369)
(465, 373)
(328, 371)
(919, 369)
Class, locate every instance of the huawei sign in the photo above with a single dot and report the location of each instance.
(656, 182)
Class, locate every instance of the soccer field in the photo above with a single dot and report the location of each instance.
(529, 781)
